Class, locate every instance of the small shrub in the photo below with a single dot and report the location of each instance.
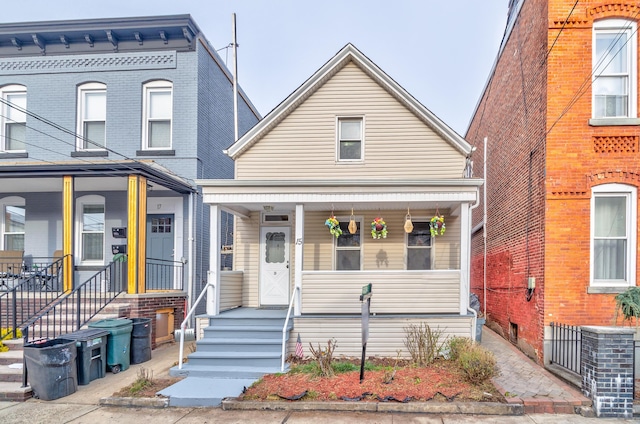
(144, 379)
(423, 343)
(324, 357)
(456, 345)
(478, 364)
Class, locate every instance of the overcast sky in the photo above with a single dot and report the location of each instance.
(439, 51)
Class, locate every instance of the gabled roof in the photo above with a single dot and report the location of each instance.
(347, 54)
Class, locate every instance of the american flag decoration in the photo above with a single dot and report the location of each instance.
(299, 352)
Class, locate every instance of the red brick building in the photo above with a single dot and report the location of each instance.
(560, 116)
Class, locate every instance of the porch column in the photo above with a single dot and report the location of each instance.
(465, 257)
(136, 234)
(299, 256)
(213, 276)
(67, 233)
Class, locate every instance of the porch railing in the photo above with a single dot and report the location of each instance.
(70, 312)
(28, 290)
(163, 274)
(566, 347)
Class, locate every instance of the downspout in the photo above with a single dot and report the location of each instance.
(484, 228)
(473, 311)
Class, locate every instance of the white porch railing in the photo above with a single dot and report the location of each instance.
(286, 324)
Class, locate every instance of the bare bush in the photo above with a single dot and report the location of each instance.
(324, 357)
(423, 343)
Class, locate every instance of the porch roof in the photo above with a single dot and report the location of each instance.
(243, 196)
(24, 174)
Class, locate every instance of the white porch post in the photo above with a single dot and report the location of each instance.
(299, 255)
(213, 276)
(465, 257)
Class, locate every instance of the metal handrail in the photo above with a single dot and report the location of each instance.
(183, 326)
(286, 324)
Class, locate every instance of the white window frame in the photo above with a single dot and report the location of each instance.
(344, 221)
(89, 200)
(5, 92)
(148, 89)
(631, 195)
(11, 201)
(339, 139)
(431, 247)
(82, 143)
(617, 26)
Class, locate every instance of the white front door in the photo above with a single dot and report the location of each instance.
(274, 266)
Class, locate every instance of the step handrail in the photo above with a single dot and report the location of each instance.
(286, 324)
(183, 326)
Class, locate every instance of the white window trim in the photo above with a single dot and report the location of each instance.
(615, 26)
(10, 201)
(150, 87)
(82, 90)
(4, 91)
(631, 194)
(362, 131)
(91, 199)
(432, 247)
(345, 219)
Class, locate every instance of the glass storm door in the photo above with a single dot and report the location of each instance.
(274, 266)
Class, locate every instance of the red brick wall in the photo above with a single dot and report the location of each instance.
(511, 115)
(539, 216)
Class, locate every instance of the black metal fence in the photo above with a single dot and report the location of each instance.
(566, 346)
(26, 290)
(164, 275)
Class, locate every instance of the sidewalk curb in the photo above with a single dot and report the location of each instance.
(159, 402)
(476, 408)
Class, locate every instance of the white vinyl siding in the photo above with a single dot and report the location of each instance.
(386, 334)
(398, 144)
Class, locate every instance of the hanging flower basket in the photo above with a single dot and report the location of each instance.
(334, 226)
(378, 228)
(437, 226)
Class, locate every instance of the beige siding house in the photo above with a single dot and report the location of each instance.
(350, 143)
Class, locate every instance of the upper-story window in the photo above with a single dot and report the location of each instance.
(92, 116)
(157, 112)
(613, 235)
(350, 139)
(614, 69)
(13, 119)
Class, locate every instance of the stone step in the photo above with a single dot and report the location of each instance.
(14, 392)
(236, 359)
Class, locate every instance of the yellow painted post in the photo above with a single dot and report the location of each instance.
(142, 234)
(67, 232)
(132, 234)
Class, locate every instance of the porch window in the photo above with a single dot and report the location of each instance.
(157, 111)
(92, 232)
(613, 229)
(14, 227)
(13, 119)
(92, 116)
(350, 139)
(419, 246)
(348, 247)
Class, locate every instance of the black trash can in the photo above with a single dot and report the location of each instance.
(91, 345)
(140, 340)
(51, 368)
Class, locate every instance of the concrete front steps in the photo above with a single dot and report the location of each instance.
(11, 361)
(238, 348)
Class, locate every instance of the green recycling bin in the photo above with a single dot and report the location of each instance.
(118, 342)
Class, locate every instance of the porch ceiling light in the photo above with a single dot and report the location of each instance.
(267, 208)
